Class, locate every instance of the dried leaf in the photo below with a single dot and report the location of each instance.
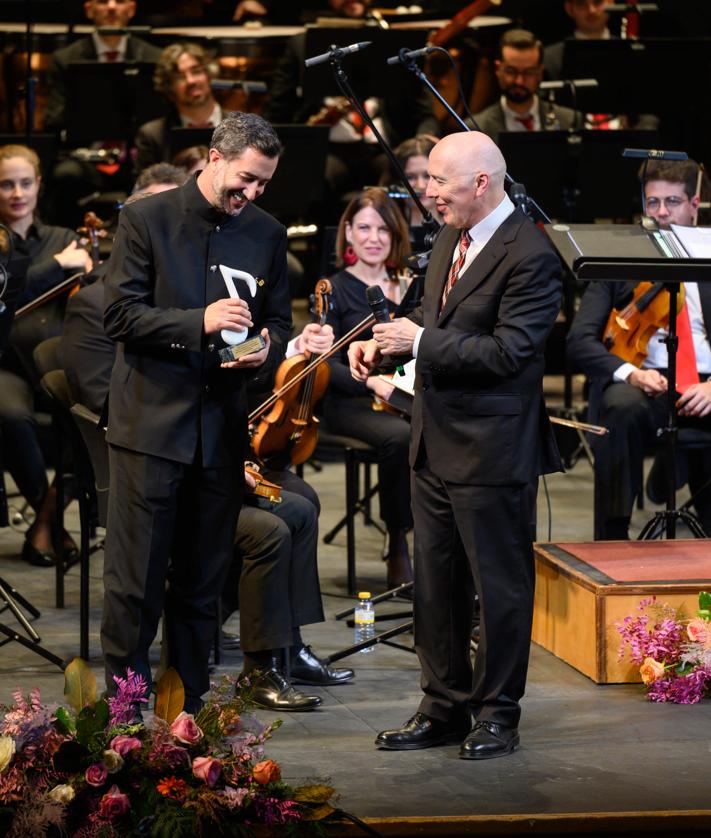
(317, 793)
(317, 813)
(170, 696)
(79, 685)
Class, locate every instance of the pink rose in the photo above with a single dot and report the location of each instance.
(125, 744)
(114, 804)
(698, 630)
(185, 730)
(96, 774)
(207, 769)
(266, 772)
(651, 671)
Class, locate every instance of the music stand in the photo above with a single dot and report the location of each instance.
(110, 100)
(610, 253)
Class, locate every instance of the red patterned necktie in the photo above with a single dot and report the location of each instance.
(686, 371)
(464, 241)
(112, 55)
(526, 121)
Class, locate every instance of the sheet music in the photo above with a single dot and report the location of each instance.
(696, 241)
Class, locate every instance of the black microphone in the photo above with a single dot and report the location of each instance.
(378, 304)
(409, 54)
(654, 154)
(336, 53)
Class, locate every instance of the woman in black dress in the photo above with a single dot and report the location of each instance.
(371, 245)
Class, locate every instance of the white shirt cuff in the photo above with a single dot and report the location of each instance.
(623, 373)
(416, 341)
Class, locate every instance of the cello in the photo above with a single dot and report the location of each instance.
(290, 426)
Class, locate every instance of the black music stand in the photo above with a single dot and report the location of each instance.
(610, 253)
(110, 100)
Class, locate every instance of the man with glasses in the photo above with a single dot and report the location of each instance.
(519, 71)
(630, 400)
(183, 75)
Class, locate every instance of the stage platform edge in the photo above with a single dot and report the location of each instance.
(577, 603)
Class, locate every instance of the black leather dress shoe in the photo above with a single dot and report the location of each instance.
(488, 740)
(38, 558)
(272, 691)
(307, 669)
(421, 732)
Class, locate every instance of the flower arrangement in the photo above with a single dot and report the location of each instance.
(95, 769)
(673, 653)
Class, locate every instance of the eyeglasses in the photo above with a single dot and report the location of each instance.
(583, 4)
(671, 203)
(191, 72)
(514, 72)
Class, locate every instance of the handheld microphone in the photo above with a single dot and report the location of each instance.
(336, 53)
(378, 304)
(654, 154)
(409, 54)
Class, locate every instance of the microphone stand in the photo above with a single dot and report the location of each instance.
(336, 62)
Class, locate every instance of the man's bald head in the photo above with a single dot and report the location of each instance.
(467, 173)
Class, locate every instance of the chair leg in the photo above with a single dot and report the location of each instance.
(351, 499)
(84, 552)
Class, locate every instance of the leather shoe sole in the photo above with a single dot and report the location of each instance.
(420, 732)
(488, 741)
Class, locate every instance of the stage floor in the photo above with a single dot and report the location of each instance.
(584, 748)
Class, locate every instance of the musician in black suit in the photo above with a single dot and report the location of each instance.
(177, 417)
(480, 438)
(631, 401)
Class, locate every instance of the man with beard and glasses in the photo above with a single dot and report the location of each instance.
(177, 417)
(183, 75)
(519, 71)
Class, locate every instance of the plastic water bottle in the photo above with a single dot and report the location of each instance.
(364, 620)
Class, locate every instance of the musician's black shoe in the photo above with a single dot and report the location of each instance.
(421, 732)
(307, 669)
(488, 740)
(36, 557)
(272, 691)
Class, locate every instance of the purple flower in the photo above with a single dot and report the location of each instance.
(681, 689)
(130, 694)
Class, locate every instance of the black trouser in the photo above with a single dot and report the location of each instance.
(166, 522)
(633, 419)
(390, 436)
(275, 571)
(472, 538)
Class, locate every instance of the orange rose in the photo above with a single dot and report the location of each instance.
(266, 772)
(651, 671)
(698, 631)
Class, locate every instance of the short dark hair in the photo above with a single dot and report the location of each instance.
(239, 131)
(191, 156)
(685, 172)
(389, 211)
(520, 39)
(167, 65)
(159, 173)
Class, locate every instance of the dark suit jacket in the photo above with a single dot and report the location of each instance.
(492, 121)
(153, 140)
(584, 345)
(478, 402)
(83, 50)
(168, 393)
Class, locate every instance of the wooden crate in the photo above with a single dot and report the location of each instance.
(583, 589)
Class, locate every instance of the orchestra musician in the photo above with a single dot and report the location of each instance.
(519, 72)
(590, 19)
(371, 245)
(480, 438)
(177, 429)
(55, 254)
(631, 400)
(183, 74)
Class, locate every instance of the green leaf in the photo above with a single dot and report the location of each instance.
(705, 600)
(65, 723)
(170, 696)
(684, 669)
(79, 684)
(92, 720)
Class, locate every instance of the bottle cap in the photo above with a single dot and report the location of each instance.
(364, 595)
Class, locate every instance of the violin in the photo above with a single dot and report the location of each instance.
(291, 425)
(628, 332)
(262, 487)
(91, 232)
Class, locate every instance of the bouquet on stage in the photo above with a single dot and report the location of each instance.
(95, 769)
(673, 653)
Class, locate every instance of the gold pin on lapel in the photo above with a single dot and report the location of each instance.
(260, 281)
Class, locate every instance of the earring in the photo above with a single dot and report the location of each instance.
(349, 256)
